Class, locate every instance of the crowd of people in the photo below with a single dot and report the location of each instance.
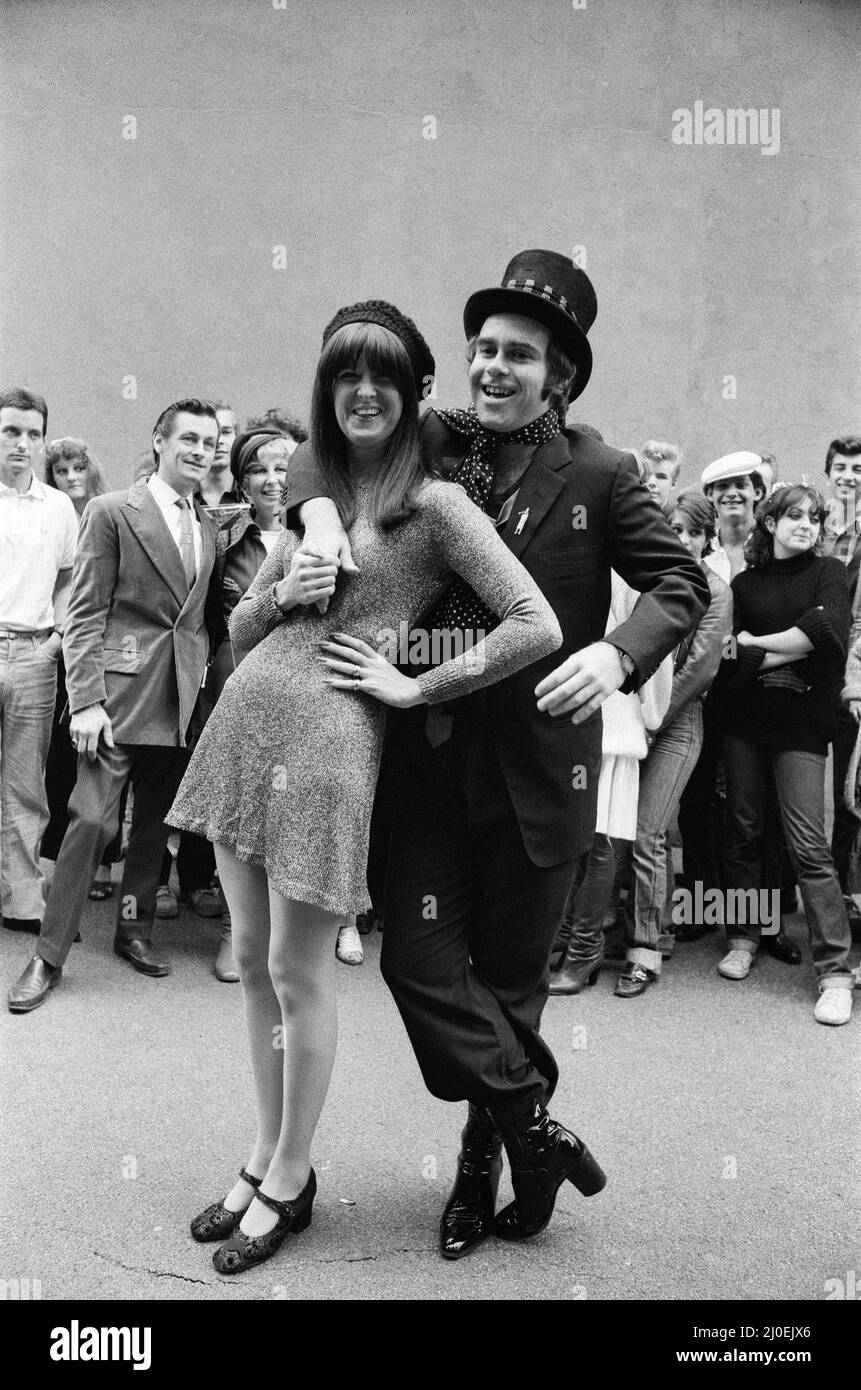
(639, 666)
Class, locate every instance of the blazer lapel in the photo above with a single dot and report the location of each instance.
(538, 491)
(145, 518)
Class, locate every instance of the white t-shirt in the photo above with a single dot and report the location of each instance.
(38, 535)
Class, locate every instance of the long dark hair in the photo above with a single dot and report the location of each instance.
(759, 547)
(402, 471)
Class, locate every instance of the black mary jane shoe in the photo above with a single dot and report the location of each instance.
(241, 1252)
(781, 947)
(218, 1222)
(542, 1155)
(467, 1217)
(634, 979)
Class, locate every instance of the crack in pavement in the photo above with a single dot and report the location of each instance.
(145, 1269)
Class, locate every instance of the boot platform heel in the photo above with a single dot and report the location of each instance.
(588, 1176)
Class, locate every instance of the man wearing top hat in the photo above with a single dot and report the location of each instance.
(494, 799)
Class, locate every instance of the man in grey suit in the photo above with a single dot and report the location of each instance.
(136, 650)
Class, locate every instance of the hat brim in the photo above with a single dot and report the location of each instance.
(570, 338)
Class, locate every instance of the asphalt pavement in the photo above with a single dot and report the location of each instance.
(727, 1120)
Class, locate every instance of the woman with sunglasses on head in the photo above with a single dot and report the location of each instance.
(283, 778)
(780, 693)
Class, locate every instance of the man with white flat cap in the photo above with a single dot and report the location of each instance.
(734, 484)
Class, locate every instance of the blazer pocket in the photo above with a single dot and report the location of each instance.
(576, 559)
(126, 660)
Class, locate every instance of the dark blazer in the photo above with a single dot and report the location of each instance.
(135, 639)
(587, 513)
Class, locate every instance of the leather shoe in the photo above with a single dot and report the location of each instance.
(467, 1217)
(634, 979)
(142, 955)
(542, 1155)
(781, 947)
(33, 985)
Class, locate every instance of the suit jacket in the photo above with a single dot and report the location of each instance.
(136, 639)
(580, 511)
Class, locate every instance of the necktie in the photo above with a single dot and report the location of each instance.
(186, 540)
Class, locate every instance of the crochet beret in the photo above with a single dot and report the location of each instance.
(387, 316)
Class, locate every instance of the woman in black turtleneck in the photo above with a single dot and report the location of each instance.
(780, 693)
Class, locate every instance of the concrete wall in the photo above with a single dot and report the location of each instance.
(305, 127)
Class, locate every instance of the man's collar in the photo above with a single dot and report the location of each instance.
(36, 489)
(163, 492)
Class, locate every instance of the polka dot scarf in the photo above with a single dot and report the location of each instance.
(461, 607)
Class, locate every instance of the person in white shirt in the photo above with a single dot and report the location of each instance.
(38, 532)
(136, 649)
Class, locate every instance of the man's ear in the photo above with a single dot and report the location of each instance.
(157, 441)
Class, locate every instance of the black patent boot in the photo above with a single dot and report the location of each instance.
(467, 1217)
(542, 1155)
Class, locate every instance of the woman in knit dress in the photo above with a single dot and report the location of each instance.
(780, 693)
(283, 777)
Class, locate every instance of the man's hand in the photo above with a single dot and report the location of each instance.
(311, 579)
(855, 710)
(325, 535)
(582, 683)
(87, 726)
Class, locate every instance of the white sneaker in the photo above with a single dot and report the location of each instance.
(349, 947)
(834, 1006)
(736, 965)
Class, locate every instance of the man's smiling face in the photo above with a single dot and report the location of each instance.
(508, 374)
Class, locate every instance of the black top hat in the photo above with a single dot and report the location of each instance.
(549, 287)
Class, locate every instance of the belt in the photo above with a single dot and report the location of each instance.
(8, 632)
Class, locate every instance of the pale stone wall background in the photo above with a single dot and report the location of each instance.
(304, 127)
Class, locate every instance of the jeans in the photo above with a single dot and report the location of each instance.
(845, 824)
(701, 813)
(28, 689)
(800, 782)
(663, 777)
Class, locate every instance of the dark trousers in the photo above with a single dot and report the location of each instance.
(845, 826)
(61, 773)
(155, 775)
(469, 921)
(195, 863)
(800, 781)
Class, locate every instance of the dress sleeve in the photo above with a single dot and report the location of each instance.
(257, 613)
(528, 629)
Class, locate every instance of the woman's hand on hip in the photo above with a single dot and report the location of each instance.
(354, 665)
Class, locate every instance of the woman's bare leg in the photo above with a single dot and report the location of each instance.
(246, 889)
(302, 968)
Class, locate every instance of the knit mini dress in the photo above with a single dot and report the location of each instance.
(286, 768)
